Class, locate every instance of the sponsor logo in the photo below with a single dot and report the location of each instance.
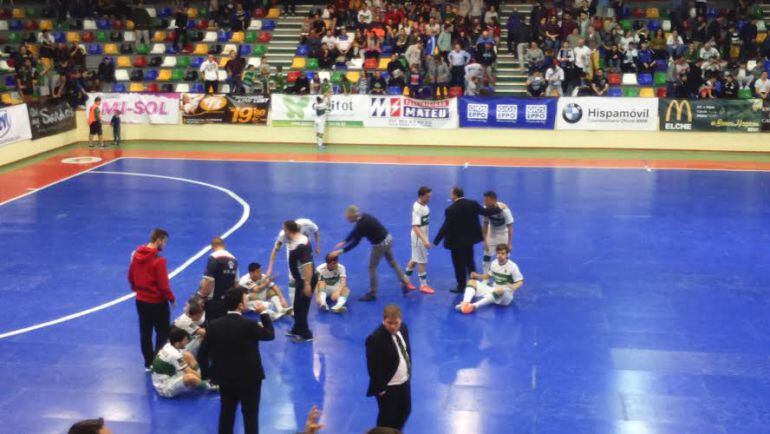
(478, 111)
(394, 107)
(213, 103)
(295, 106)
(572, 113)
(5, 123)
(507, 112)
(536, 113)
(682, 119)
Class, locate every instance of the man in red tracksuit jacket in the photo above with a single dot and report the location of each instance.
(148, 277)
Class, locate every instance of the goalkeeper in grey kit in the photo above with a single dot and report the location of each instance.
(321, 108)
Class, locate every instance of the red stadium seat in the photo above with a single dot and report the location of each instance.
(614, 78)
(264, 37)
(140, 62)
(152, 87)
(258, 13)
(371, 63)
(87, 37)
(455, 91)
(661, 92)
(292, 76)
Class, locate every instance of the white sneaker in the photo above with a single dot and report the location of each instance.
(339, 309)
(323, 307)
(459, 307)
(276, 315)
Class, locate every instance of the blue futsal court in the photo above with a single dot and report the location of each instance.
(645, 307)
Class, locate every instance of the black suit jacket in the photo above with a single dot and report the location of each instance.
(461, 226)
(229, 353)
(382, 357)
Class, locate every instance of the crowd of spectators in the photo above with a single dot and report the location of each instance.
(706, 53)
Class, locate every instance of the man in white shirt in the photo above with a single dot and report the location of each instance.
(458, 58)
(343, 41)
(209, 72)
(762, 86)
(582, 56)
(330, 40)
(554, 76)
(364, 17)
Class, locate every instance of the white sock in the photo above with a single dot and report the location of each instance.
(276, 303)
(323, 296)
(340, 301)
(291, 293)
(469, 293)
(487, 299)
(423, 279)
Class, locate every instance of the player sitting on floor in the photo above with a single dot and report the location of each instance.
(506, 279)
(263, 291)
(191, 321)
(332, 283)
(175, 371)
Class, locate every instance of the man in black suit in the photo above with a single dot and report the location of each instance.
(230, 352)
(460, 231)
(389, 360)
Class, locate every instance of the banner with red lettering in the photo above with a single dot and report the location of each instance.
(139, 108)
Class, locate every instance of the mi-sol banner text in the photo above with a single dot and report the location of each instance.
(139, 108)
(297, 110)
(224, 109)
(506, 112)
(607, 114)
(14, 124)
(405, 112)
(53, 117)
(711, 115)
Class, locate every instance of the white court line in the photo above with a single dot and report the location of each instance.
(174, 273)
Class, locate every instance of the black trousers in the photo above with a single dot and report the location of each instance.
(152, 316)
(463, 263)
(301, 309)
(394, 406)
(215, 308)
(213, 85)
(248, 397)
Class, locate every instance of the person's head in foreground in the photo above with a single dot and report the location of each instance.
(501, 252)
(89, 426)
(352, 213)
(391, 318)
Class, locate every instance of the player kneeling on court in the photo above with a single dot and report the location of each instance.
(191, 321)
(175, 371)
(261, 290)
(332, 284)
(506, 279)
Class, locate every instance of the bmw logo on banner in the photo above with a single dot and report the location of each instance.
(572, 113)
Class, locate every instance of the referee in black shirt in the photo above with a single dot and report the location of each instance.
(221, 274)
(367, 226)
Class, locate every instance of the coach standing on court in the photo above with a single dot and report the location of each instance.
(460, 231)
(148, 277)
(367, 226)
(389, 361)
(221, 274)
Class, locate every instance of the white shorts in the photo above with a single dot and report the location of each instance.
(419, 253)
(169, 387)
(331, 289)
(504, 299)
(493, 241)
(320, 125)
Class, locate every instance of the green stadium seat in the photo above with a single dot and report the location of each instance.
(183, 61)
(659, 78)
(336, 77)
(177, 74)
(630, 92)
(250, 38)
(142, 49)
(101, 36)
(14, 37)
(626, 24)
(744, 93)
(259, 50)
(312, 63)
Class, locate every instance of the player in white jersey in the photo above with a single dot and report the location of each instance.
(497, 229)
(175, 371)
(506, 279)
(261, 290)
(306, 228)
(191, 321)
(332, 284)
(419, 239)
(321, 108)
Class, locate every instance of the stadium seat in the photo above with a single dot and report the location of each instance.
(661, 65)
(3, 26)
(130, 25)
(192, 13)
(164, 12)
(122, 75)
(101, 36)
(170, 49)
(615, 91)
(292, 76)
(14, 37)
(139, 61)
(191, 75)
(259, 50)
(151, 12)
(659, 79)
(159, 36)
(653, 25)
(144, 49)
(168, 62)
(89, 24)
(761, 26)
(455, 91)
(129, 36)
(182, 61)
(177, 74)
(766, 66)
(255, 61)
(666, 26)
(135, 87)
(210, 37)
(661, 92)
(298, 63)
(202, 24)
(647, 92)
(273, 13)
(223, 61)
(301, 51)
(237, 37)
(626, 24)
(151, 75)
(644, 79)
(87, 37)
(394, 90)
(629, 79)
(197, 88)
(166, 87)
(386, 50)
(73, 37)
(264, 37)
(631, 91)
(245, 50)
(156, 48)
(336, 77)
(255, 25)
(311, 63)
(250, 37)
(94, 49)
(110, 49)
(195, 62)
(370, 64)
(221, 75)
(614, 78)
(353, 76)
(652, 13)
(119, 87)
(182, 88)
(17, 13)
(225, 88)
(9, 81)
(15, 25)
(711, 13)
(103, 24)
(152, 87)
(268, 25)
(744, 93)
(164, 75)
(123, 62)
(224, 35)
(761, 37)
(383, 63)
(30, 25)
(258, 13)
(201, 49)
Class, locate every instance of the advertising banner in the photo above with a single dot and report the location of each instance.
(607, 114)
(139, 108)
(405, 112)
(766, 116)
(297, 110)
(50, 118)
(14, 124)
(711, 115)
(506, 112)
(224, 109)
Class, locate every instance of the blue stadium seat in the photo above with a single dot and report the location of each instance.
(9, 81)
(196, 62)
(740, 24)
(191, 24)
(164, 12)
(301, 51)
(615, 91)
(94, 49)
(711, 13)
(653, 25)
(767, 66)
(151, 75)
(394, 90)
(170, 49)
(224, 36)
(385, 75)
(644, 79)
(387, 50)
(661, 65)
(103, 24)
(268, 25)
(245, 50)
(118, 87)
(59, 37)
(197, 88)
(15, 25)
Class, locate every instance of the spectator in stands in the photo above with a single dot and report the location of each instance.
(472, 86)
(458, 58)
(709, 52)
(536, 84)
(488, 59)
(26, 80)
(441, 76)
(315, 85)
(180, 29)
(47, 44)
(277, 81)
(209, 72)
(599, 84)
(675, 44)
(694, 78)
(302, 85)
(762, 86)
(250, 81)
(396, 71)
(730, 87)
(414, 54)
(582, 56)
(106, 70)
(706, 90)
(377, 85)
(516, 31)
(613, 58)
(645, 59)
(364, 17)
(444, 40)
(629, 59)
(415, 79)
(555, 78)
(552, 34)
(289, 7)
(77, 56)
(234, 68)
(240, 19)
(141, 19)
(346, 87)
(534, 58)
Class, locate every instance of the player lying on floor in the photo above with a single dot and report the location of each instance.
(175, 371)
(332, 284)
(506, 279)
(191, 321)
(261, 290)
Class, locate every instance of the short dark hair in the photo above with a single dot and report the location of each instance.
(458, 191)
(97, 99)
(194, 305)
(490, 194)
(291, 226)
(391, 311)
(254, 266)
(176, 335)
(383, 430)
(217, 241)
(423, 191)
(330, 258)
(502, 247)
(88, 426)
(158, 234)
(233, 297)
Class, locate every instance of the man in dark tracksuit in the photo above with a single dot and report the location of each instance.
(221, 274)
(302, 270)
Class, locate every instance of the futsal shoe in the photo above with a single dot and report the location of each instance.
(425, 289)
(467, 308)
(339, 309)
(407, 288)
(291, 335)
(301, 339)
(289, 311)
(323, 308)
(369, 296)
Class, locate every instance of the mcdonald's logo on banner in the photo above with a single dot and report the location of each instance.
(682, 119)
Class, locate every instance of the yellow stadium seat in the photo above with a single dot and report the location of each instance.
(647, 92)
(298, 63)
(110, 49)
(237, 37)
(135, 87)
(123, 62)
(47, 63)
(130, 25)
(18, 13)
(383, 63)
(273, 13)
(653, 13)
(33, 49)
(223, 61)
(159, 36)
(73, 37)
(201, 49)
(353, 76)
(164, 75)
(6, 98)
(46, 25)
(192, 13)
(761, 37)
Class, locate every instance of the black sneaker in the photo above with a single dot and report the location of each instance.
(369, 296)
(291, 335)
(301, 339)
(456, 290)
